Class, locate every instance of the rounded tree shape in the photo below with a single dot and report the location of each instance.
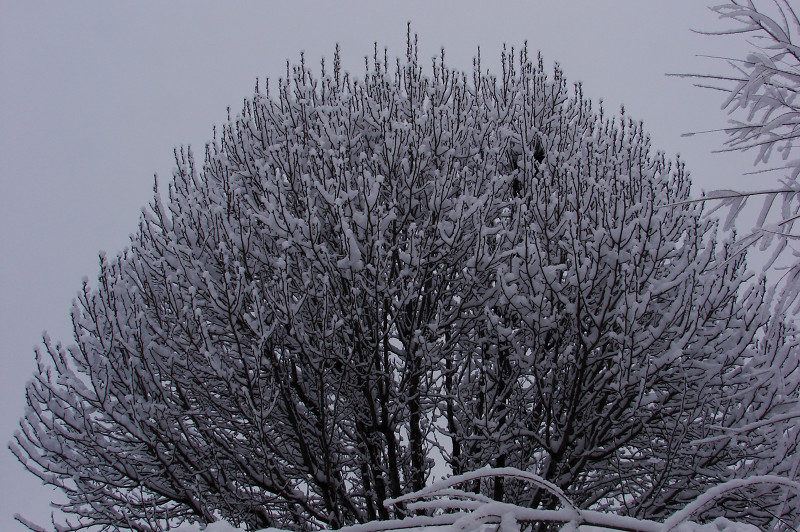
(368, 275)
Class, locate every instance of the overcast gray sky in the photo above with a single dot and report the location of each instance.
(95, 95)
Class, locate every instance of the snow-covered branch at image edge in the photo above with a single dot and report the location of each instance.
(761, 96)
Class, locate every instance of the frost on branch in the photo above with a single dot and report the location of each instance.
(363, 275)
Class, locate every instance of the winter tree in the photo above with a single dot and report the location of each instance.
(365, 276)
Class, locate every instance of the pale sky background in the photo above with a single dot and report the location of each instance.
(95, 95)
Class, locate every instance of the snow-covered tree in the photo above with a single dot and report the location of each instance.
(365, 275)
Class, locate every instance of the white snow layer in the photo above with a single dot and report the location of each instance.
(719, 525)
(506, 522)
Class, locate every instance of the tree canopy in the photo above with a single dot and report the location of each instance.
(368, 279)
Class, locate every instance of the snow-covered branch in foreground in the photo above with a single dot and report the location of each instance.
(449, 509)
